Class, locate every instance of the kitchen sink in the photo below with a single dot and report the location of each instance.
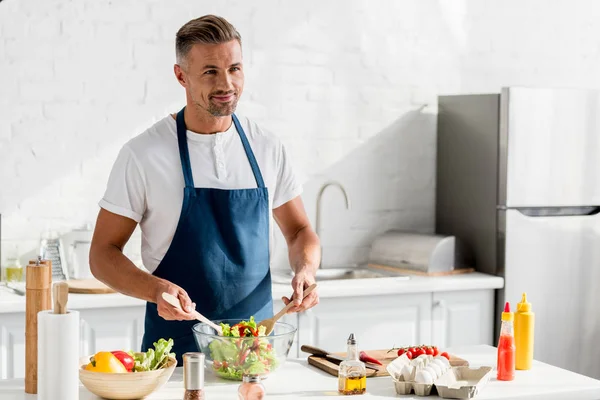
(332, 274)
(329, 274)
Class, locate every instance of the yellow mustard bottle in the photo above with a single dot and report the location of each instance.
(524, 324)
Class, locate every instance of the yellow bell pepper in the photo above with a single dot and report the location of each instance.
(105, 361)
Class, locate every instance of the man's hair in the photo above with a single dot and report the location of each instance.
(209, 29)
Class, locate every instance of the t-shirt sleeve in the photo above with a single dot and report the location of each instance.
(125, 192)
(288, 185)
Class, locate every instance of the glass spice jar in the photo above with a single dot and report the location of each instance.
(193, 376)
(251, 388)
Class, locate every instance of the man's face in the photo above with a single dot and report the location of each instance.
(214, 77)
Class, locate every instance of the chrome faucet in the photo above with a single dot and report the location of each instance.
(318, 218)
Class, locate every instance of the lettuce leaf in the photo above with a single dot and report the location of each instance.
(155, 358)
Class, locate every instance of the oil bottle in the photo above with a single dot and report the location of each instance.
(352, 376)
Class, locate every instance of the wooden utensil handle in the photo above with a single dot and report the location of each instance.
(285, 309)
(207, 321)
(315, 351)
(174, 301)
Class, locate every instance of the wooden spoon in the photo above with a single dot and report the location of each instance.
(269, 324)
(174, 301)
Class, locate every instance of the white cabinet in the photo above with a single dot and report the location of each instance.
(378, 322)
(463, 318)
(12, 345)
(444, 319)
(111, 329)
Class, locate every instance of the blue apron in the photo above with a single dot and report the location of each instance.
(219, 254)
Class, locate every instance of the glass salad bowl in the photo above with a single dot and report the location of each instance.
(231, 357)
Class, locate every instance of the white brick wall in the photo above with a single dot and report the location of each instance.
(339, 81)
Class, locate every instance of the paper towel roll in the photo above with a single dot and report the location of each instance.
(58, 355)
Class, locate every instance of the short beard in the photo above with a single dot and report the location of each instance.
(222, 110)
(217, 110)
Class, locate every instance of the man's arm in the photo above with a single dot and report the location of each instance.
(304, 251)
(109, 265)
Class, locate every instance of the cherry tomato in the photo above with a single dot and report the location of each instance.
(436, 352)
(418, 352)
(429, 351)
(413, 350)
(409, 355)
(445, 354)
(400, 352)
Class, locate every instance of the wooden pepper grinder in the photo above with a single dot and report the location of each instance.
(49, 264)
(37, 298)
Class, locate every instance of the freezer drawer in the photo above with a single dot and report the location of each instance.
(556, 260)
(549, 147)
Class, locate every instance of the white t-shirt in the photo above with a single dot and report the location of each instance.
(146, 182)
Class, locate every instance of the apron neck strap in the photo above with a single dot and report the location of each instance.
(184, 152)
(249, 153)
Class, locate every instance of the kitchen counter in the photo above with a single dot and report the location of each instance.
(297, 379)
(12, 303)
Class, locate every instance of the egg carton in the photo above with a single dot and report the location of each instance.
(455, 383)
(420, 389)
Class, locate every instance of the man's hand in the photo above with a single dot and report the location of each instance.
(300, 282)
(166, 310)
(304, 252)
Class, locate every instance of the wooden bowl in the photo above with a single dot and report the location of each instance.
(132, 385)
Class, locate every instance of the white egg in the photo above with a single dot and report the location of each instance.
(407, 371)
(417, 362)
(432, 371)
(423, 376)
(444, 360)
(441, 365)
(436, 368)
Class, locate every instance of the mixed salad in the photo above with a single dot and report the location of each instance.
(251, 353)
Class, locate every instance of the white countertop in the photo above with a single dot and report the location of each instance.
(12, 303)
(297, 379)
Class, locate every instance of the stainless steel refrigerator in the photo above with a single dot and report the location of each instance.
(518, 180)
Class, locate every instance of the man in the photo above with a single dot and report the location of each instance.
(202, 183)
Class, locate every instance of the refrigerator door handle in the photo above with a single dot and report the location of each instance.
(558, 211)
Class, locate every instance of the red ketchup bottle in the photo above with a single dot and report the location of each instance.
(506, 347)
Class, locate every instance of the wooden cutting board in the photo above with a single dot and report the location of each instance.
(382, 355)
(88, 286)
(407, 271)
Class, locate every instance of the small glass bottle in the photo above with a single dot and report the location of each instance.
(193, 376)
(14, 270)
(251, 388)
(352, 376)
(506, 347)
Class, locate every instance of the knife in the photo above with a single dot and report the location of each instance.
(315, 351)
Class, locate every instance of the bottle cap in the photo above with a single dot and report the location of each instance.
(351, 339)
(251, 378)
(193, 371)
(524, 306)
(507, 315)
